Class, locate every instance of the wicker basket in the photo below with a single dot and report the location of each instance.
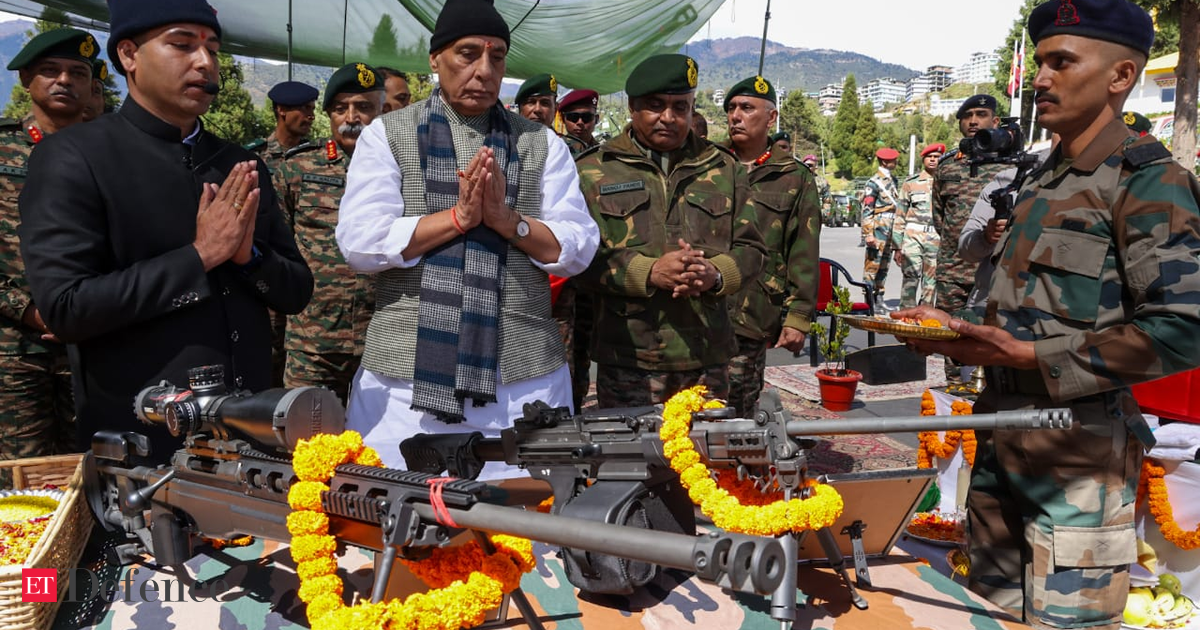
(59, 547)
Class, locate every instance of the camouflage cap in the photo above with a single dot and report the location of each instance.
(1137, 122)
(663, 74)
(751, 86)
(537, 85)
(63, 43)
(1118, 21)
(352, 78)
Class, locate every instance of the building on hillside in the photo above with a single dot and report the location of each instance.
(718, 96)
(934, 79)
(939, 106)
(828, 99)
(980, 68)
(879, 92)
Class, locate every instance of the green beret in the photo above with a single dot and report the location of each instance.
(537, 86)
(353, 78)
(66, 43)
(1137, 122)
(752, 86)
(663, 74)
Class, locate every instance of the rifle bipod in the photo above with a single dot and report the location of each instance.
(783, 599)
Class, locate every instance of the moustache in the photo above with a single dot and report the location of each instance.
(64, 92)
(350, 130)
(1045, 96)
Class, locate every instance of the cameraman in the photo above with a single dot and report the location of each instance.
(1095, 289)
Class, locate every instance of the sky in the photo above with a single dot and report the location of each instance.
(914, 34)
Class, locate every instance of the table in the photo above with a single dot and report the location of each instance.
(909, 592)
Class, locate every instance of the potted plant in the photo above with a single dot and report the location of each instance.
(837, 383)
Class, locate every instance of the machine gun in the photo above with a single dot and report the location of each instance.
(221, 484)
(608, 466)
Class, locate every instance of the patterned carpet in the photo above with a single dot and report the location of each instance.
(834, 454)
(802, 380)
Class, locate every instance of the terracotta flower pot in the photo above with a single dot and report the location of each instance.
(837, 392)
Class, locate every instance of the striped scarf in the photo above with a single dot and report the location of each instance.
(457, 324)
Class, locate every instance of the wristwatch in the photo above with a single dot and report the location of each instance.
(522, 229)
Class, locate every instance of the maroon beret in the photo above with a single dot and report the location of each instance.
(933, 148)
(887, 154)
(574, 97)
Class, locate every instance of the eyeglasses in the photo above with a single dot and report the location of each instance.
(583, 117)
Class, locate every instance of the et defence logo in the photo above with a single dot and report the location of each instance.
(41, 585)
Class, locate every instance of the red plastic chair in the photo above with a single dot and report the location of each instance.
(830, 275)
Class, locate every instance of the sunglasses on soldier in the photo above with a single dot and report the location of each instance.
(583, 117)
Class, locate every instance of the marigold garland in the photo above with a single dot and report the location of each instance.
(934, 446)
(1153, 486)
(468, 582)
(737, 506)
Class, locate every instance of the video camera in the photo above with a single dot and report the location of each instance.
(1005, 144)
(275, 419)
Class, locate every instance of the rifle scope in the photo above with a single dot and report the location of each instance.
(275, 419)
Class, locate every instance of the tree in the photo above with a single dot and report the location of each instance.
(864, 142)
(844, 122)
(800, 116)
(231, 115)
(19, 103)
(1177, 24)
(383, 49)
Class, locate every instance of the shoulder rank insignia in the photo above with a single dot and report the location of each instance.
(1148, 153)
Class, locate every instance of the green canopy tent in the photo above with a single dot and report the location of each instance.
(585, 43)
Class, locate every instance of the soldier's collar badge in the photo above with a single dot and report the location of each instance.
(331, 150)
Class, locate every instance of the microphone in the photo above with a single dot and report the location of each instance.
(212, 87)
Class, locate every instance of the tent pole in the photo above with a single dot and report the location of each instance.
(289, 52)
(762, 53)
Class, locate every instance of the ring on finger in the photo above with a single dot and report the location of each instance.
(237, 205)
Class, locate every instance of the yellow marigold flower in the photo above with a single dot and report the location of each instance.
(305, 548)
(368, 457)
(352, 442)
(310, 589)
(316, 568)
(307, 524)
(306, 495)
(323, 604)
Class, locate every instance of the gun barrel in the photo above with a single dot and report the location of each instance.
(748, 562)
(1001, 420)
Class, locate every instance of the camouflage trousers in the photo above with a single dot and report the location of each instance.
(920, 249)
(332, 370)
(875, 268)
(573, 311)
(746, 375)
(618, 386)
(37, 407)
(1050, 520)
(952, 297)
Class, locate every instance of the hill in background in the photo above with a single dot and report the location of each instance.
(724, 62)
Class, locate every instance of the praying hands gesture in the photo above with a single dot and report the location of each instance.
(225, 219)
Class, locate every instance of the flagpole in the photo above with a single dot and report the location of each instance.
(1014, 77)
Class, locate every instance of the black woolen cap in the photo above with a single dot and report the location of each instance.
(292, 93)
(463, 18)
(1118, 21)
(129, 18)
(985, 101)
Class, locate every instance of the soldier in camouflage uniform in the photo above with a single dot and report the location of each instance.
(293, 104)
(578, 110)
(879, 211)
(913, 235)
(678, 234)
(810, 161)
(774, 311)
(324, 343)
(37, 410)
(954, 192)
(1096, 288)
